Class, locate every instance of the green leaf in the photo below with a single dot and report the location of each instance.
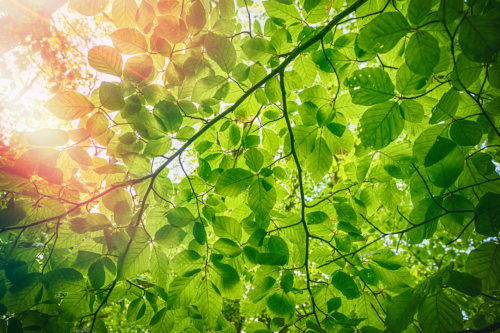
(262, 287)
(209, 303)
(345, 213)
(170, 115)
(281, 305)
(273, 90)
(11, 216)
(182, 290)
(162, 321)
(465, 73)
(255, 257)
(493, 107)
(111, 96)
(199, 233)
(325, 115)
(227, 8)
(281, 40)
(422, 53)
(425, 141)
(153, 94)
(488, 215)
(439, 314)
(227, 247)
(368, 307)
(308, 113)
(380, 125)
(90, 222)
(446, 107)
(254, 159)
(306, 69)
(180, 217)
(287, 281)
(233, 182)
(230, 137)
(401, 310)
(278, 247)
(412, 111)
(136, 310)
(317, 11)
(258, 50)
(455, 222)
(397, 160)
(137, 163)
(418, 10)
(494, 76)
(425, 210)
(305, 138)
(370, 86)
(22, 296)
(257, 237)
(478, 38)
(466, 132)
(160, 147)
(450, 10)
(186, 262)
(74, 306)
(205, 89)
(227, 227)
(159, 267)
(169, 237)
(316, 95)
(483, 164)
(288, 14)
(133, 262)
(444, 162)
(226, 278)
(484, 263)
(383, 32)
(221, 50)
(465, 283)
(317, 218)
(261, 197)
(345, 284)
(408, 82)
(97, 272)
(63, 280)
(320, 160)
(363, 167)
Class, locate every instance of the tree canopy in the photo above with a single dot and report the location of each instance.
(254, 166)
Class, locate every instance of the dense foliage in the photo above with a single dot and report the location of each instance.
(325, 166)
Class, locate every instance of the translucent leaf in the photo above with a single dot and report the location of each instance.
(370, 86)
(129, 40)
(233, 182)
(69, 105)
(106, 59)
(383, 32)
(381, 125)
(123, 12)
